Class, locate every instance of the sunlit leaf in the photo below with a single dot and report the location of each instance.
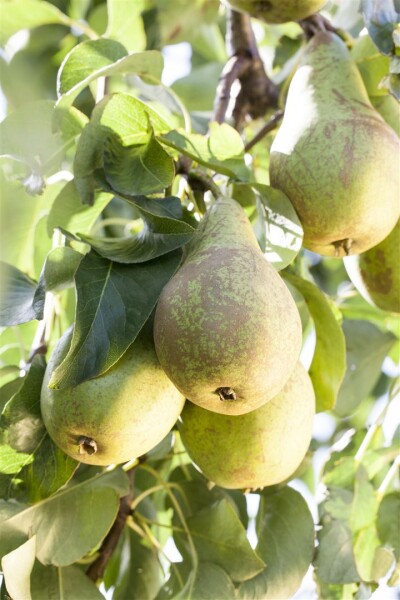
(328, 364)
(122, 117)
(102, 58)
(26, 14)
(221, 150)
(17, 567)
(141, 169)
(125, 23)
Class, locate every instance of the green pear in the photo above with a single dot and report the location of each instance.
(276, 11)
(376, 273)
(260, 448)
(334, 156)
(227, 331)
(117, 416)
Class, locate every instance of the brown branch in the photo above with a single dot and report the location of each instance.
(232, 71)
(269, 126)
(258, 92)
(314, 24)
(96, 570)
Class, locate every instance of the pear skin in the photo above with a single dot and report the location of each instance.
(227, 331)
(116, 417)
(334, 156)
(376, 273)
(276, 11)
(260, 448)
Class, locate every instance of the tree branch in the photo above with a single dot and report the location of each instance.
(269, 126)
(314, 24)
(258, 92)
(96, 570)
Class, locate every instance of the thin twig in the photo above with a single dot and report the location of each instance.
(269, 126)
(97, 568)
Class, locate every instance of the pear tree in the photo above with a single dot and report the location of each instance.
(200, 300)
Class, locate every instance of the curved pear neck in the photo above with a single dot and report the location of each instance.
(225, 225)
(333, 75)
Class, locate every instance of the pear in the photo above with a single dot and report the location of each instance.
(227, 331)
(276, 11)
(376, 273)
(260, 448)
(334, 156)
(116, 417)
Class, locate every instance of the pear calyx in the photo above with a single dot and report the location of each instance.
(87, 445)
(226, 393)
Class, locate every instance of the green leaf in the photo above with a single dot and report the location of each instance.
(279, 230)
(285, 531)
(18, 302)
(85, 59)
(113, 303)
(62, 583)
(219, 537)
(24, 215)
(12, 461)
(380, 19)
(384, 560)
(120, 116)
(102, 58)
(26, 14)
(162, 233)
(70, 214)
(388, 521)
(366, 348)
(59, 269)
(141, 575)
(328, 364)
(335, 561)
(365, 504)
(44, 468)
(125, 23)
(208, 581)
(94, 504)
(222, 150)
(141, 169)
(197, 89)
(365, 545)
(17, 567)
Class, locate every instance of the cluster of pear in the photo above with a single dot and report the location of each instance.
(336, 155)
(228, 334)
(218, 335)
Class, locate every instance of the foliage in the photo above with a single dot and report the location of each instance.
(105, 172)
